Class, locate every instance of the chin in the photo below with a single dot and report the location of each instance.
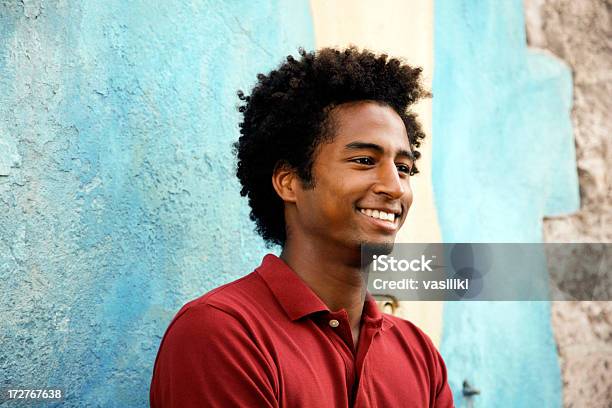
(380, 247)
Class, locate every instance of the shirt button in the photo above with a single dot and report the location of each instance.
(334, 323)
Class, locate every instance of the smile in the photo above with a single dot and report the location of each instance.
(387, 216)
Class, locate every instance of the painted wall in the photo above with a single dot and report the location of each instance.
(117, 196)
(118, 200)
(382, 27)
(503, 158)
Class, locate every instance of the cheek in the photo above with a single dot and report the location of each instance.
(408, 193)
(335, 206)
(409, 196)
(319, 209)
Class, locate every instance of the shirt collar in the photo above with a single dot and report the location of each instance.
(298, 300)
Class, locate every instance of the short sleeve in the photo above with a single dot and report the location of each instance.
(208, 358)
(444, 395)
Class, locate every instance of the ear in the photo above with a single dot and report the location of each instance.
(285, 182)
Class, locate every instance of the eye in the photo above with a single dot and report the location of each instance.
(364, 160)
(403, 168)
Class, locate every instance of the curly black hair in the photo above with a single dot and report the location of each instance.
(286, 117)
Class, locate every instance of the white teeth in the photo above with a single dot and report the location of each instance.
(378, 214)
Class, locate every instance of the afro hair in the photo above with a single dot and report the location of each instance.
(286, 117)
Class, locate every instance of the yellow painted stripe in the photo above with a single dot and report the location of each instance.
(400, 28)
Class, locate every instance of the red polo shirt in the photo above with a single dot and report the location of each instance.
(267, 340)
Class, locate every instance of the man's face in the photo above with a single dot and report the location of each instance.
(362, 179)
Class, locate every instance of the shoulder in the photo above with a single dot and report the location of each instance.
(221, 318)
(210, 345)
(407, 328)
(415, 338)
(234, 299)
(238, 305)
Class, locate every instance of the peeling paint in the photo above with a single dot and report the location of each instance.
(503, 158)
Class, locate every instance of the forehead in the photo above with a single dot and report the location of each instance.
(369, 122)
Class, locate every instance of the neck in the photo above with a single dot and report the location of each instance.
(335, 279)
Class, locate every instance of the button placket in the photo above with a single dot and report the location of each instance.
(340, 326)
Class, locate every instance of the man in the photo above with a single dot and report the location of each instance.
(325, 157)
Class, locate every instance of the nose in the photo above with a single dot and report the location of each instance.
(389, 181)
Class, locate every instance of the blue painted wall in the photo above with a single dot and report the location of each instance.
(117, 195)
(503, 157)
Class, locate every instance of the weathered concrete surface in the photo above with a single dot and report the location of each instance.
(583, 331)
(579, 32)
(118, 200)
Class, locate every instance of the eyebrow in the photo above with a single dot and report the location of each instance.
(372, 146)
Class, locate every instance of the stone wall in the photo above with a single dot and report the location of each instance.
(579, 33)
